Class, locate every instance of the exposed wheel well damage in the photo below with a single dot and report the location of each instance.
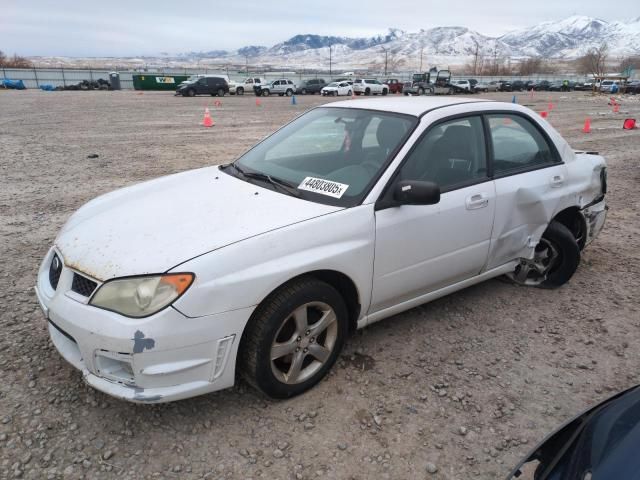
(573, 219)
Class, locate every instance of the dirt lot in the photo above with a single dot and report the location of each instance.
(468, 383)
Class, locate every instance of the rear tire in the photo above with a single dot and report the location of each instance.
(239, 91)
(384, 91)
(191, 93)
(265, 93)
(289, 93)
(421, 91)
(294, 337)
(556, 259)
(367, 92)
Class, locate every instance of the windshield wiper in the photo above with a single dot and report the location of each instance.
(284, 186)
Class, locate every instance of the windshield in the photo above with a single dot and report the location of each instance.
(328, 155)
(193, 78)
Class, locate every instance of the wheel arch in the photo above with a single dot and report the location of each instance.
(343, 284)
(572, 218)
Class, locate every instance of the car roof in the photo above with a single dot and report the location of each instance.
(415, 106)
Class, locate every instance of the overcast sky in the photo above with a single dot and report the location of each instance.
(147, 27)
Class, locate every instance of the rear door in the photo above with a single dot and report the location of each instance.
(530, 181)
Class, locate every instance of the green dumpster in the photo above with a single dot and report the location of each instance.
(157, 81)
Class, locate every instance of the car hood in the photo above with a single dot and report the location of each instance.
(154, 226)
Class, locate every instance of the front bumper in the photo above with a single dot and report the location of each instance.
(161, 358)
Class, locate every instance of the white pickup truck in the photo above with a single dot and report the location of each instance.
(239, 88)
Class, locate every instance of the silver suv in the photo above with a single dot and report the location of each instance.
(282, 87)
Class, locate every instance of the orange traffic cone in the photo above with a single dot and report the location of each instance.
(616, 108)
(217, 103)
(544, 114)
(258, 103)
(587, 126)
(353, 95)
(207, 121)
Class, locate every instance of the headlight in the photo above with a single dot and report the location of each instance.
(141, 296)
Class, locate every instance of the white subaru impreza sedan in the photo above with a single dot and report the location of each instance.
(351, 213)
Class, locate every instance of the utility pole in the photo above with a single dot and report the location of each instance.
(421, 51)
(386, 56)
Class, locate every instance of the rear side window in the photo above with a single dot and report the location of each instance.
(517, 144)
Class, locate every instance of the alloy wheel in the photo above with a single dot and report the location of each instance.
(304, 342)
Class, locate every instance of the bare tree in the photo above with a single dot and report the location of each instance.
(14, 62)
(476, 54)
(594, 62)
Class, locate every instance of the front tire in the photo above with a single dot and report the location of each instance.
(556, 258)
(367, 92)
(239, 91)
(384, 91)
(294, 337)
(265, 93)
(289, 93)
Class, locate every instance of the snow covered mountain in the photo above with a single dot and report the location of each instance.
(563, 39)
(574, 36)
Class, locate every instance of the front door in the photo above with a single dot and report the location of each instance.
(422, 248)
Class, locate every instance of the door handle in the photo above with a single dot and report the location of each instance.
(479, 200)
(557, 181)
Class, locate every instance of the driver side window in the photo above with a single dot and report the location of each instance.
(451, 154)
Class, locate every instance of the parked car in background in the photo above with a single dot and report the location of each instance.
(556, 86)
(336, 89)
(584, 86)
(487, 87)
(633, 87)
(607, 86)
(528, 84)
(369, 86)
(395, 85)
(462, 86)
(314, 85)
(206, 85)
(542, 85)
(505, 85)
(518, 86)
(351, 213)
(283, 86)
(239, 88)
(473, 83)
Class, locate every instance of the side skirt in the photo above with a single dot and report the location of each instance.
(428, 297)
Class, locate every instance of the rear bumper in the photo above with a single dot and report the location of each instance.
(594, 216)
(161, 358)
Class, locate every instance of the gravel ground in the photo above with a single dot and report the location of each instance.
(456, 389)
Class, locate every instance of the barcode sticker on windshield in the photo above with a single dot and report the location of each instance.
(323, 187)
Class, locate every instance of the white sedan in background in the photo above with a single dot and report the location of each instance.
(337, 89)
(351, 213)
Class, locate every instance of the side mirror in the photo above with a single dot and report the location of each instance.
(415, 192)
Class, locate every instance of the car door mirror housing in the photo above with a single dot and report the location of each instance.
(415, 192)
